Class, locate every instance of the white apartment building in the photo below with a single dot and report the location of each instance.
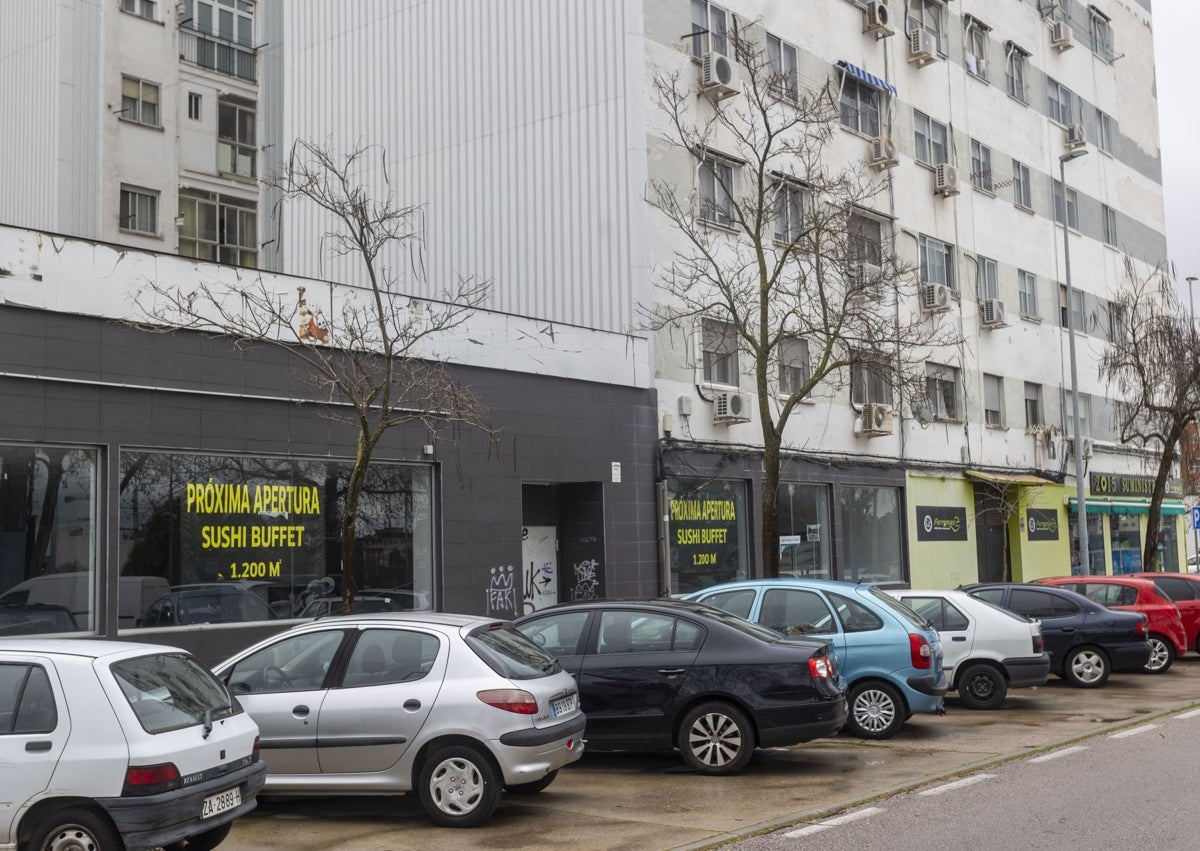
(528, 133)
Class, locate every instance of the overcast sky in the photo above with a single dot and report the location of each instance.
(1176, 24)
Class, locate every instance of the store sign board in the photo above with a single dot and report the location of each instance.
(941, 523)
(1041, 524)
(1116, 484)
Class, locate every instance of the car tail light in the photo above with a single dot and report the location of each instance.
(821, 667)
(256, 751)
(1144, 627)
(510, 700)
(1039, 643)
(150, 779)
(919, 649)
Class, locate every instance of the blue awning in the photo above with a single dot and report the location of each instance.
(867, 77)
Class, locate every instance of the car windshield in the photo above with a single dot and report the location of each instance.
(510, 654)
(900, 609)
(762, 633)
(169, 691)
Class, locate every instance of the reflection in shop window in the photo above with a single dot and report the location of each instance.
(1125, 534)
(706, 524)
(804, 530)
(47, 539)
(230, 533)
(871, 520)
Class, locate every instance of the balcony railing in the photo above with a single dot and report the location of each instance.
(218, 54)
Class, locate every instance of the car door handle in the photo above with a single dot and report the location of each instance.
(671, 672)
(300, 711)
(958, 638)
(412, 704)
(35, 747)
(1068, 629)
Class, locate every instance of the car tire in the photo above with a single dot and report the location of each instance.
(534, 787)
(1162, 655)
(877, 710)
(716, 738)
(458, 786)
(206, 841)
(981, 686)
(74, 827)
(1086, 667)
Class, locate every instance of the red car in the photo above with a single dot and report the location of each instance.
(1184, 591)
(1135, 594)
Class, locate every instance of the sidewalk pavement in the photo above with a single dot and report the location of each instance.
(642, 802)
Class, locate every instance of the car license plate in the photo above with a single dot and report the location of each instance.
(563, 705)
(221, 802)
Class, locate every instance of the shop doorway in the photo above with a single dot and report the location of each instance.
(991, 534)
(562, 543)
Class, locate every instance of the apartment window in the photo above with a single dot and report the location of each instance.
(986, 281)
(782, 59)
(142, 8)
(232, 20)
(869, 383)
(139, 101)
(710, 28)
(139, 210)
(1110, 224)
(1076, 308)
(716, 190)
(937, 262)
(1033, 405)
(1059, 102)
(1016, 72)
(941, 391)
(236, 148)
(993, 400)
(720, 354)
(1100, 29)
(218, 228)
(927, 15)
(194, 106)
(794, 368)
(1085, 412)
(981, 166)
(1072, 202)
(1104, 125)
(1118, 332)
(1027, 293)
(977, 47)
(860, 107)
(865, 236)
(1022, 188)
(789, 211)
(930, 137)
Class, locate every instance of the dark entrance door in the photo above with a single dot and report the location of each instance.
(991, 535)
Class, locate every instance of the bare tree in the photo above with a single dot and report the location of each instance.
(1153, 365)
(779, 244)
(373, 360)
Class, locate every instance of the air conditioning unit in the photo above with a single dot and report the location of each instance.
(1060, 36)
(1075, 137)
(922, 47)
(945, 179)
(729, 408)
(994, 313)
(935, 298)
(882, 153)
(879, 19)
(876, 418)
(716, 75)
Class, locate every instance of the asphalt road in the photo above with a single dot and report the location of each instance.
(647, 802)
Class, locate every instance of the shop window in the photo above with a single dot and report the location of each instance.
(48, 539)
(804, 530)
(1125, 535)
(1168, 545)
(1095, 545)
(708, 533)
(871, 533)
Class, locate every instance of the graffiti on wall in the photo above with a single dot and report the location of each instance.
(587, 582)
(501, 592)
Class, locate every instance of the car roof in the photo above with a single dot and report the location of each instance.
(92, 648)
(1124, 579)
(649, 603)
(825, 584)
(428, 618)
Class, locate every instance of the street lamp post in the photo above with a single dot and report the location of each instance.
(1191, 279)
(1081, 524)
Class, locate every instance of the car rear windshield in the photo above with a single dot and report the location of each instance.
(1003, 611)
(169, 691)
(510, 654)
(903, 611)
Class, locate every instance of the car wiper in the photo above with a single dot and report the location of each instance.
(208, 725)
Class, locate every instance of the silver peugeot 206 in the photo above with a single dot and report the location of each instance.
(458, 707)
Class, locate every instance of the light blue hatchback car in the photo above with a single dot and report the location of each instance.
(890, 657)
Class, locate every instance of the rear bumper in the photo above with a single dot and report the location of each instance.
(779, 728)
(1027, 671)
(526, 756)
(149, 821)
(1128, 657)
(932, 685)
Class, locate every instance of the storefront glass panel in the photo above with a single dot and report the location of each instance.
(1095, 526)
(1168, 544)
(707, 529)
(871, 531)
(217, 528)
(804, 530)
(1125, 533)
(48, 541)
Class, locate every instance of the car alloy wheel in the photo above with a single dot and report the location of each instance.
(716, 738)
(1086, 667)
(1162, 654)
(876, 711)
(459, 787)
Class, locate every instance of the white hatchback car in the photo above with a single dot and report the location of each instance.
(986, 649)
(116, 746)
(455, 707)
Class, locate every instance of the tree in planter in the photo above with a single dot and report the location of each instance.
(1153, 365)
(372, 361)
(779, 254)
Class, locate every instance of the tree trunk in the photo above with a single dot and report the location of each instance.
(358, 475)
(1153, 520)
(770, 506)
